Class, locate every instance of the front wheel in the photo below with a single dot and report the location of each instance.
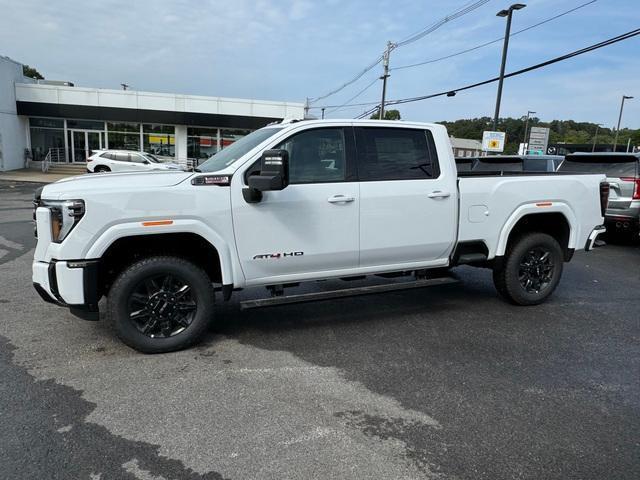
(530, 270)
(161, 304)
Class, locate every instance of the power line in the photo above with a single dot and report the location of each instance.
(469, 7)
(477, 47)
(451, 92)
(355, 96)
(412, 38)
(575, 53)
(346, 84)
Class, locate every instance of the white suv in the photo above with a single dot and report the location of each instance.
(126, 161)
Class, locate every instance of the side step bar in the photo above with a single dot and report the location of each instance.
(345, 292)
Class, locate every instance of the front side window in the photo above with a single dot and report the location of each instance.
(316, 156)
(395, 154)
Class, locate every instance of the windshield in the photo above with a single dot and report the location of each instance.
(235, 151)
(611, 166)
(151, 158)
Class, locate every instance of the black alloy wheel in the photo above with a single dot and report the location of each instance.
(536, 269)
(162, 306)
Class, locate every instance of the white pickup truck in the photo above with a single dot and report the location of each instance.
(302, 201)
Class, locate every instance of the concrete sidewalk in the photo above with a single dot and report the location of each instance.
(31, 175)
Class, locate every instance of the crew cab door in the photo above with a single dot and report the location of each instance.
(312, 224)
(408, 203)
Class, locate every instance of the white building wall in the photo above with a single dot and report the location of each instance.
(13, 140)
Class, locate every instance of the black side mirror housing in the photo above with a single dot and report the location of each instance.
(274, 174)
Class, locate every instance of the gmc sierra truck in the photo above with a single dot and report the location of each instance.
(295, 202)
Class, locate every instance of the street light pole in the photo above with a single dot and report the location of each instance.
(526, 127)
(504, 13)
(595, 137)
(615, 141)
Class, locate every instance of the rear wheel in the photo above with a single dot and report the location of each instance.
(530, 270)
(161, 304)
(101, 169)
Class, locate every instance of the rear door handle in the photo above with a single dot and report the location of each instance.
(439, 194)
(340, 199)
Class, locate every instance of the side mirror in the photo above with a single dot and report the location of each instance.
(274, 175)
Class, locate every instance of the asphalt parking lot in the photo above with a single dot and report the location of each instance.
(447, 382)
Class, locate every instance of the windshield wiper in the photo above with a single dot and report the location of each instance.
(197, 170)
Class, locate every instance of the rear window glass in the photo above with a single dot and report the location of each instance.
(464, 164)
(612, 166)
(498, 164)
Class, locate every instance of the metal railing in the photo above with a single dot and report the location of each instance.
(55, 155)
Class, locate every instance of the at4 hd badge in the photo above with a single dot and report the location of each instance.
(267, 256)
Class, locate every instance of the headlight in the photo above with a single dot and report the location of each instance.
(65, 214)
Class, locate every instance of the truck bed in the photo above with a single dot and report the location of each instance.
(492, 202)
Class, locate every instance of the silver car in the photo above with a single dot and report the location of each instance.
(623, 175)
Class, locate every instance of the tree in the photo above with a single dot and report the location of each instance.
(31, 72)
(388, 115)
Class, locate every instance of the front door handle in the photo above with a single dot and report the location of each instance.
(439, 194)
(340, 199)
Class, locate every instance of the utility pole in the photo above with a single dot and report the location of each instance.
(615, 141)
(306, 107)
(504, 13)
(323, 113)
(595, 137)
(525, 144)
(385, 75)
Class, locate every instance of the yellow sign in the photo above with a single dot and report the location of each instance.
(161, 139)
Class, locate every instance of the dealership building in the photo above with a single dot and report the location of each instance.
(62, 123)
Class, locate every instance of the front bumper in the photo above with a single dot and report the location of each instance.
(72, 284)
(599, 230)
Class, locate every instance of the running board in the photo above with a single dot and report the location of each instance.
(345, 292)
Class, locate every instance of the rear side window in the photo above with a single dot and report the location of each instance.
(396, 154)
(121, 157)
(610, 165)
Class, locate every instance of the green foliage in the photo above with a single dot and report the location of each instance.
(561, 131)
(388, 115)
(31, 72)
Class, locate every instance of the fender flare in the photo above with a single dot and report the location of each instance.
(535, 209)
(130, 229)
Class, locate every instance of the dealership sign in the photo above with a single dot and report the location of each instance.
(538, 140)
(493, 141)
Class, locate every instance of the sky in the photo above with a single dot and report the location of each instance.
(292, 49)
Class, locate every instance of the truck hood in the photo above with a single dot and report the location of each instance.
(117, 182)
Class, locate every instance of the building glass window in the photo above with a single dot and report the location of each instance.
(124, 136)
(45, 133)
(46, 122)
(202, 143)
(85, 125)
(159, 140)
(227, 137)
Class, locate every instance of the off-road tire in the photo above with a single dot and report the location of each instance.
(128, 282)
(506, 275)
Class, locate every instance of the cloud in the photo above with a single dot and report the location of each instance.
(291, 49)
